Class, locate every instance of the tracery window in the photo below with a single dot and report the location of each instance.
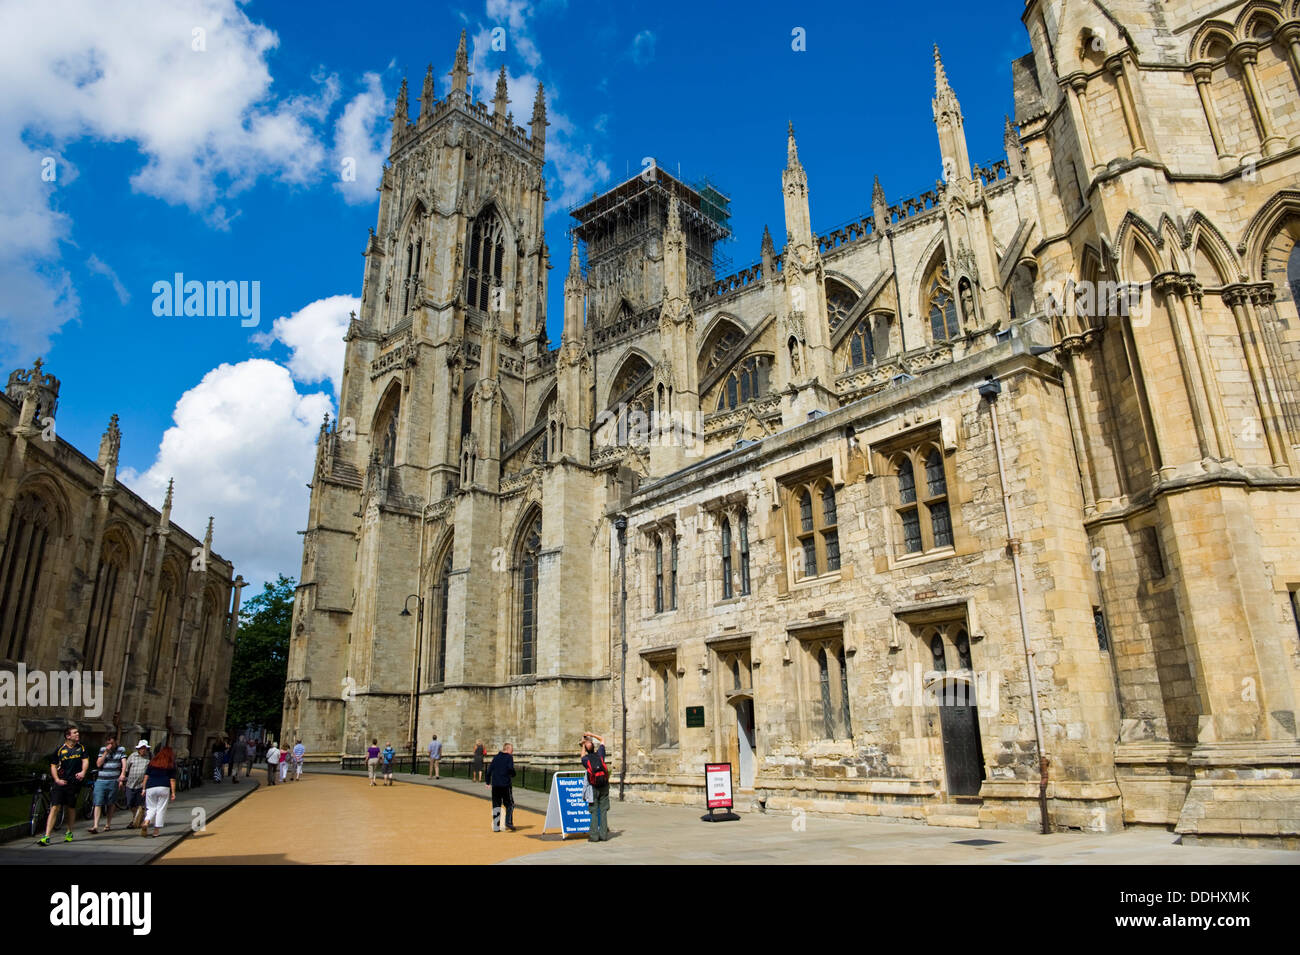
(742, 384)
(444, 597)
(862, 350)
(31, 538)
(734, 549)
(825, 696)
(484, 263)
(814, 527)
(104, 602)
(924, 520)
(162, 629)
(940, 305)
(530, 548)
(839, 302)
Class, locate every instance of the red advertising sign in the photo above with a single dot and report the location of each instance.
(717, 785)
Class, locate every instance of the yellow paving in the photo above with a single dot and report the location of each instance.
(333, 820)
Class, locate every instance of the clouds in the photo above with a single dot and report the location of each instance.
(188, 84)
(361, 143)
(643, 48)
(242, 449)
(314, 337)
(101, 268)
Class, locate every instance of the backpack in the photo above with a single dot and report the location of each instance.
(597, 771)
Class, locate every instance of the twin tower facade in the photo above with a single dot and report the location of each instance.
(979, 510)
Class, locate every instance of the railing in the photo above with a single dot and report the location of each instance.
(535, 778)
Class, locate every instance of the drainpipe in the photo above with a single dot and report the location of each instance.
(620, 524)
(990, 391)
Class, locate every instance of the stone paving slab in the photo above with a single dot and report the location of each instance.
(126, 846)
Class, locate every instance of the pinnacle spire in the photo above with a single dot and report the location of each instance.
(207, 538)
(165, 519)
(460, 72)
(575, 264)
(502, 98)
(791, 148)
(768, 245)
(427, 95)
(940, 77)
(674, 215)
(877, 193)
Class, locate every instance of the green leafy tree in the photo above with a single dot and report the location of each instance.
(261, 659)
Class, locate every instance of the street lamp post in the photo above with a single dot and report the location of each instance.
(415, 682)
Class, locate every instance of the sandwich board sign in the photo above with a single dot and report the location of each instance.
(566, 810)
(717, 792)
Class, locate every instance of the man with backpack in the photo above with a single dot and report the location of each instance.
(593, 761)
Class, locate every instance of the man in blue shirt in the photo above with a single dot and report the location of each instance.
(499, 775)
(593, 761)
(435, 756)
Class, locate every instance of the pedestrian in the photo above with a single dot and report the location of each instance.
(159, 789)
(136, 764)
(298, 752)
(251, 756)
(372, 759)
(235, 756)
(388, 755)
(111, 763)
(435, 757)
(218, 758)
(476, 764)
(68, 768)
(273, 755)
(499, 776)
(284, 765)
(593, 761)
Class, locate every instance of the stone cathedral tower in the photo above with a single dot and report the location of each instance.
(447, 378)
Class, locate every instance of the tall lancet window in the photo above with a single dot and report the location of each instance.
(530, 549)
(485, 259)
(32, 533)
(940, 305)
(444, 593)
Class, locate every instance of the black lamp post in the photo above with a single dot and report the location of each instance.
(415, 684)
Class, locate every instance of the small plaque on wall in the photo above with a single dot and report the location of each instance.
(694, 716)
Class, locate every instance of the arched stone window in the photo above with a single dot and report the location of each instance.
(747, 382)
(744, 550)
(208, 623)
(33, 530)
(862, 350)
(165, 609)
(940, 305)
(105, 602)
(814, 530)
(529, 569)
(839, 302)
(924, 519)
(659, 574)
(485, 259)
(443, 591)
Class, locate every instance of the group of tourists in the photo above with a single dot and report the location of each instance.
(280, 761)
(149, 779)
(227, 757)
(500, 775)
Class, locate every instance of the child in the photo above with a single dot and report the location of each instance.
(388, 754)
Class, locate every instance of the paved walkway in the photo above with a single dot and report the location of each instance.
(126, 846)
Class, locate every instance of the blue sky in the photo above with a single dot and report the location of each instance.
(222, 162)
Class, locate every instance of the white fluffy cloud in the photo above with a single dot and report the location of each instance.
(185, 81)
(241, 448)
(314, 337)
(361, 143)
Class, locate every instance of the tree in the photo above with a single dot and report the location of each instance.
(261, 659)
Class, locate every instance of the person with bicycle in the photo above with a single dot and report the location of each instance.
(111, 763)
(68, 768)
(136, 765)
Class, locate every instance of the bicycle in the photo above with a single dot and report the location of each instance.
(39, 811)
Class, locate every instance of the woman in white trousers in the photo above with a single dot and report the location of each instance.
(159, 789)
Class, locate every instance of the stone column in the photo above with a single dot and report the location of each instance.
(1192, 294)
(1168, 285)
(1071, 347)
(1079, 112)
(1245, 55)
(1236, 297)
(1119, 69)
(1203, 73)
(1259, 303)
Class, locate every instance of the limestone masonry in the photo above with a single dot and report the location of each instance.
(980, 510)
